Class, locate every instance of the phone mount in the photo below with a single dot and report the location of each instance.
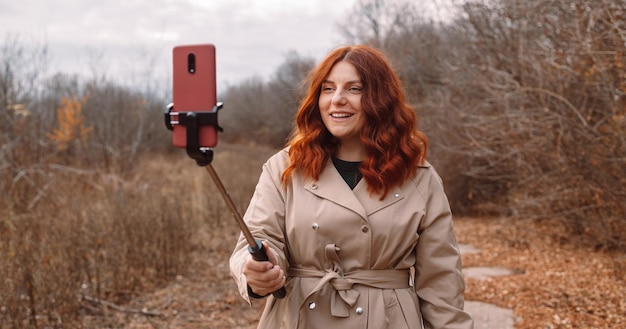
(192, 122)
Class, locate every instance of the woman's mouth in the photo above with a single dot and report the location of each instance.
(341, 115)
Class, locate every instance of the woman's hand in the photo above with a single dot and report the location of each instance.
(264, 277)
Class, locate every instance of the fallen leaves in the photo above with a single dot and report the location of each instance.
(561, 284)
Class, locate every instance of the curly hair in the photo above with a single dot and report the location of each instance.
(394, 146)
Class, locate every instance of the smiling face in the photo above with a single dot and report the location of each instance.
(340, 106)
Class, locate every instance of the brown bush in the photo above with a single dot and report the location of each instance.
(95, 234)
(537, 108)
(79, 215)
(523, 103)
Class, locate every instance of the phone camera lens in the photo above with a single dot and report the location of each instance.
(191, 63)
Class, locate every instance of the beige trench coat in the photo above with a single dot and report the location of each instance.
(353, 260)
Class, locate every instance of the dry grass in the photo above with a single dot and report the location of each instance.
(96, 235)
(149, 249)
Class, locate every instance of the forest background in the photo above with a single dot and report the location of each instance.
(523, 102)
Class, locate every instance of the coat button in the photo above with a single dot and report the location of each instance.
(314, 187)
(312, 305)
(359, 310)
(315, 226)
(365, 229)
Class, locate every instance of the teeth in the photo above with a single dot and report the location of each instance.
(340, 115)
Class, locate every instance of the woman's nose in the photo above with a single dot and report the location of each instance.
(338, 97)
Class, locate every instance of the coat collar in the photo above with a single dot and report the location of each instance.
(332, 187)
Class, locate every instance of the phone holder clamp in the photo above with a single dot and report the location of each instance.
(192, 122)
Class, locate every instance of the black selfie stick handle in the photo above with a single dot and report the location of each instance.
(260, 255)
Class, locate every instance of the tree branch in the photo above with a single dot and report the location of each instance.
(119, 308)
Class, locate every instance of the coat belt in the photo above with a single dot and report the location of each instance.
(343, 297)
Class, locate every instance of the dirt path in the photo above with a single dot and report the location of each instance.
(489, 316)
(556, 281)
(486, 315)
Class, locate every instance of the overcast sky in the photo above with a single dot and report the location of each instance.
(132, 38)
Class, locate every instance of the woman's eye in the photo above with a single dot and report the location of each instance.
(355, 90)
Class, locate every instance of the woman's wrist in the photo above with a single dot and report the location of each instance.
(253, 294)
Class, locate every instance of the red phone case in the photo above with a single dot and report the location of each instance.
(194, 89)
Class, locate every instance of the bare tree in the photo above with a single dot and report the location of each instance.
(288, 85)
(262, 112)
(523, 103)
(376, 22)
(537, 102)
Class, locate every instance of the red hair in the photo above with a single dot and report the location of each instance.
(393, 144)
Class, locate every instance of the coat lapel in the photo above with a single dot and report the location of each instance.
(373, 203)
(332, 187)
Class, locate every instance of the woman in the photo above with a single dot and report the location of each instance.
(355, 221)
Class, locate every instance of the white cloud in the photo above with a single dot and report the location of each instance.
(123, 38)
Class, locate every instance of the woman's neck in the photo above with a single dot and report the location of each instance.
(351, 152)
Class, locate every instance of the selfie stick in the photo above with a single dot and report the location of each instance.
(203, 156)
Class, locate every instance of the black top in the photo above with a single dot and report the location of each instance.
(349, 170)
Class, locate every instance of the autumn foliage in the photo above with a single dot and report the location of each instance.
(70, 123)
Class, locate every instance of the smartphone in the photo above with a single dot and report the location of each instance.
(194, 89)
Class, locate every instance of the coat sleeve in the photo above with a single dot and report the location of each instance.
(439, 281)
(264, 217)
